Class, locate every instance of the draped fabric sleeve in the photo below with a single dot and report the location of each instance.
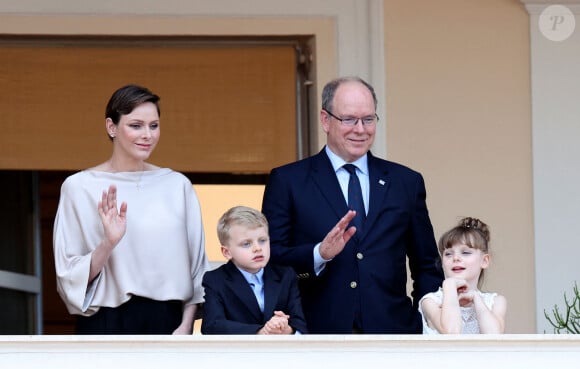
(196, 244)
(160, 257)
(72, 254)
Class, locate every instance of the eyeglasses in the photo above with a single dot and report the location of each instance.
(352, 121)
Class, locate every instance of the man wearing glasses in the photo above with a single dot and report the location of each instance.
(347, 221)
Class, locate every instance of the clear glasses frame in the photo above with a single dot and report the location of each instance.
(352, 121)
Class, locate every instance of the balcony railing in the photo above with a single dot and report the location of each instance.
(279, 352)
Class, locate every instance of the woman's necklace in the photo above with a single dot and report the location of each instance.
(139, 185)
(141, 172)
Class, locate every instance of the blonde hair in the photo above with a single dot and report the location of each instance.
(239, 215)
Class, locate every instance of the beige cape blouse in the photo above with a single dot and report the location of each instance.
(161, 256)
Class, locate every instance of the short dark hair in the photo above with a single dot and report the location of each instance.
(126, 99)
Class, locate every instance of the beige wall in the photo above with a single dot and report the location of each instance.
(457, 102)
(458, 110)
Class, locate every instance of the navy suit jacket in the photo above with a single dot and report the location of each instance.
(366, 284)
(231, 307)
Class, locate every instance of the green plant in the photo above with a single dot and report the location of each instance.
(568, 321)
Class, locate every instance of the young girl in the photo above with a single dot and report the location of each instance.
(459, 306)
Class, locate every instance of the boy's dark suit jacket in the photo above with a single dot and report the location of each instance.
(230, 305)
(303, 202)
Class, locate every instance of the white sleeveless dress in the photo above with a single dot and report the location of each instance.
(470, 324)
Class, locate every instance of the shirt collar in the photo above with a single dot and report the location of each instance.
(250, 277)
(337, 162)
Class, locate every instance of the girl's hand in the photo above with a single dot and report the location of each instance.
(461, 288)
(466, 298)
(464, 294)
(457, 284)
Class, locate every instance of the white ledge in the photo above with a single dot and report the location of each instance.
(279, 352)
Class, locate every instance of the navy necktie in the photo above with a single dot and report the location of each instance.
(355, 199)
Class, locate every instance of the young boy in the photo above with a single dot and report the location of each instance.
(247, 295)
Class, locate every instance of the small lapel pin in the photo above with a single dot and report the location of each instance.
(381, 182)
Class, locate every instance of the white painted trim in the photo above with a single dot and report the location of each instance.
(377, 72)
(555, 66)
(281, 352)
(537, 8)
(544, 3)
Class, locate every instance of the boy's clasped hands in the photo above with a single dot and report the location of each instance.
(278, 324)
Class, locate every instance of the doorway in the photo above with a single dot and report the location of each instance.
(225, 126)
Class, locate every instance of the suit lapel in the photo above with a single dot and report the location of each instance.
(378, 186)
(325, 178)
(238, 286)
(271, 291)
(327, 182)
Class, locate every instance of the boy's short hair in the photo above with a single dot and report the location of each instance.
(239, 215)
